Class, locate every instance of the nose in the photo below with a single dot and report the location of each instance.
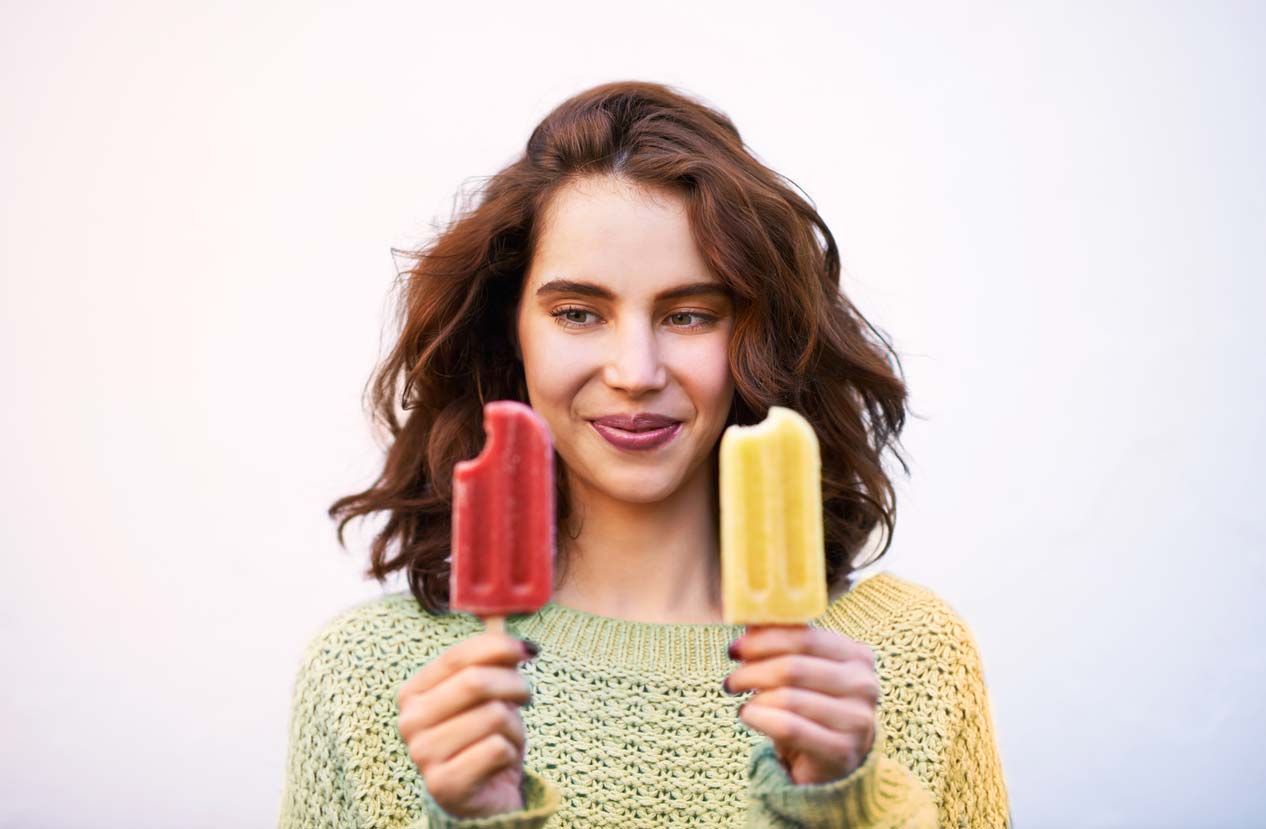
(634, 366)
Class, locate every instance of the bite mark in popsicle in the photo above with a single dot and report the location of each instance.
(503, 518)
(773, 558)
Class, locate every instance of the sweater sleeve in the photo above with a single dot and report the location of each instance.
(879, 794)
(316, 793)
(540, 801)
(312, 794)
(973, 790)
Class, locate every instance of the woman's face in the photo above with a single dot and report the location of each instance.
(620, 317)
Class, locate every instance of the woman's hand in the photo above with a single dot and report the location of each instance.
(459, 716)
(816, 697)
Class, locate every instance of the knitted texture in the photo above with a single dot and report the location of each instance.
(628, 725)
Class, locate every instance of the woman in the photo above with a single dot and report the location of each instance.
(642, 282)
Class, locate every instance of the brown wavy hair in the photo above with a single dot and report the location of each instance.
(797, 340)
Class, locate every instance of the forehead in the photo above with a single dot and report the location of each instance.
(617, 233)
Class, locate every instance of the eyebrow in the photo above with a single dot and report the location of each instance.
(567, 286)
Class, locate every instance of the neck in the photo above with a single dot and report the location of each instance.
(656, 562)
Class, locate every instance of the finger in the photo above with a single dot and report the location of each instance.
(764, 641)
(485, 649)
(448, 738)
(827, 676)
(791, 732)
(835, 713)
(472, 686)
(456, 779)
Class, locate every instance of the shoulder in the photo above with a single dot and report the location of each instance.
(904, 619)
(378, 635)
(387, 619)
(926, 655)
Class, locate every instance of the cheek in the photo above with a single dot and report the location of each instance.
(703, 368)
(555, 366)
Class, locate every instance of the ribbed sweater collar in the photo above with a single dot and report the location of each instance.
(685, 649)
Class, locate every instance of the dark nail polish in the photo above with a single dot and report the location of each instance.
(725, 686)
(530, 647)
(733, 650)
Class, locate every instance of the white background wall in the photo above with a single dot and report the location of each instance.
(1057, 212)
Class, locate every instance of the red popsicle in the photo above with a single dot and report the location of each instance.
(503, 518)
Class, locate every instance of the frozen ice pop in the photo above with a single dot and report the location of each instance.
(503, 517)
(773, 561)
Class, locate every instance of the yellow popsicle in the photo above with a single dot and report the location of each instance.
(773, 560)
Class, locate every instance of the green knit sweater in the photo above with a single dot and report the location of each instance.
(629, 727)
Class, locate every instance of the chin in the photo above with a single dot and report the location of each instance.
(638, 489)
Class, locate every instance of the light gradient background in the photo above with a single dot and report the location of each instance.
(1057, 212)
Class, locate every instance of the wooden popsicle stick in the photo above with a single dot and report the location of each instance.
(496, 624)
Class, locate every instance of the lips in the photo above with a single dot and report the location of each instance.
(641, 422)
(637, 432)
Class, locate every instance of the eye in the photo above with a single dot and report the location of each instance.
(572, 317)
(682, 319)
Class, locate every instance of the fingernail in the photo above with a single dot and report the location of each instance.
(530, 648)
(733, 650)
(725, 686)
